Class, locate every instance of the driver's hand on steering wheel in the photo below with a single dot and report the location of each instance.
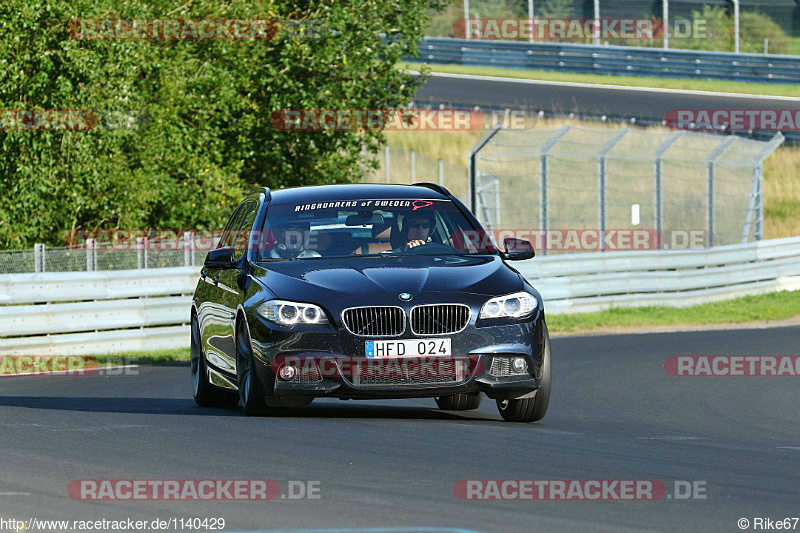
(412, 244)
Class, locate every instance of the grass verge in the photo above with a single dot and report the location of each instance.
(149, 357)
(766, 307)
(717, 86)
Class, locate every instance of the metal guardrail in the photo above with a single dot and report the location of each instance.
(612, 60)
(592, 282)
(77, 313)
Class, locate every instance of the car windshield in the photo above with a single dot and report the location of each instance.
(369, 227)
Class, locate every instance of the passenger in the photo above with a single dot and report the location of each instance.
(291, 241)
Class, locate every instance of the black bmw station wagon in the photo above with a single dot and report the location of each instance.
(366, 292)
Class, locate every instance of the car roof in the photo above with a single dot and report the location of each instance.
(355, 191)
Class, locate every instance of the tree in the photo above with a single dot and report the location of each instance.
(196, 113)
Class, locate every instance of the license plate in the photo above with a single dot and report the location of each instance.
(408, 348)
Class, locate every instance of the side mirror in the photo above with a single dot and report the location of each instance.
(517, 249)
(220, 258)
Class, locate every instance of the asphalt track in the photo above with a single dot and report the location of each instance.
(615, 414)
(587, 99)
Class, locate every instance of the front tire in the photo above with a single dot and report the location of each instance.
(250, 400)
(531, 409)
(204, 393)
(459, 402)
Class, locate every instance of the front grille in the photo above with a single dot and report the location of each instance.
(399, 372)
(501, 366)
(375, 321)
(439, 319)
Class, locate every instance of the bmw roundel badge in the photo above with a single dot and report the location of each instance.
(405, 296)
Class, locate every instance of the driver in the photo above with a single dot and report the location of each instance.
(417, 228)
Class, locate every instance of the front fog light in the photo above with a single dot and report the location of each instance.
(519, 364)
(287, 372)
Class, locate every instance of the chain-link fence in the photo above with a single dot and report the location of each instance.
(401, 165)
(184, 249)
(599, 180)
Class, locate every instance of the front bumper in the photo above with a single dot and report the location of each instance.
(335, 353)
(343, 388)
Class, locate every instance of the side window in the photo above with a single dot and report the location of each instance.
(233, 224)
(243, 230)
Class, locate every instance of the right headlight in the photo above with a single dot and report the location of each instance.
(517, 305)
(288, 313)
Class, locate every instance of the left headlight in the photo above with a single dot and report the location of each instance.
(517, 305)
(290, 313)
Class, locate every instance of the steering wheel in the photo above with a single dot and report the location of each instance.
(430, 248)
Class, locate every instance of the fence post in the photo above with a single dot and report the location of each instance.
(658, 208)
(596, 29)
(712, 159)
(544, 215)
(755, 208)
(471, 167)
(37, 257)
(601, 184)
(187, 248)
(386, 151)
(90, 261)
(141, 260)
(530, 17)
(466, 19)
(413, 166)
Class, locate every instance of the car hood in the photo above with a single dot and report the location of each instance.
(312, 279)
